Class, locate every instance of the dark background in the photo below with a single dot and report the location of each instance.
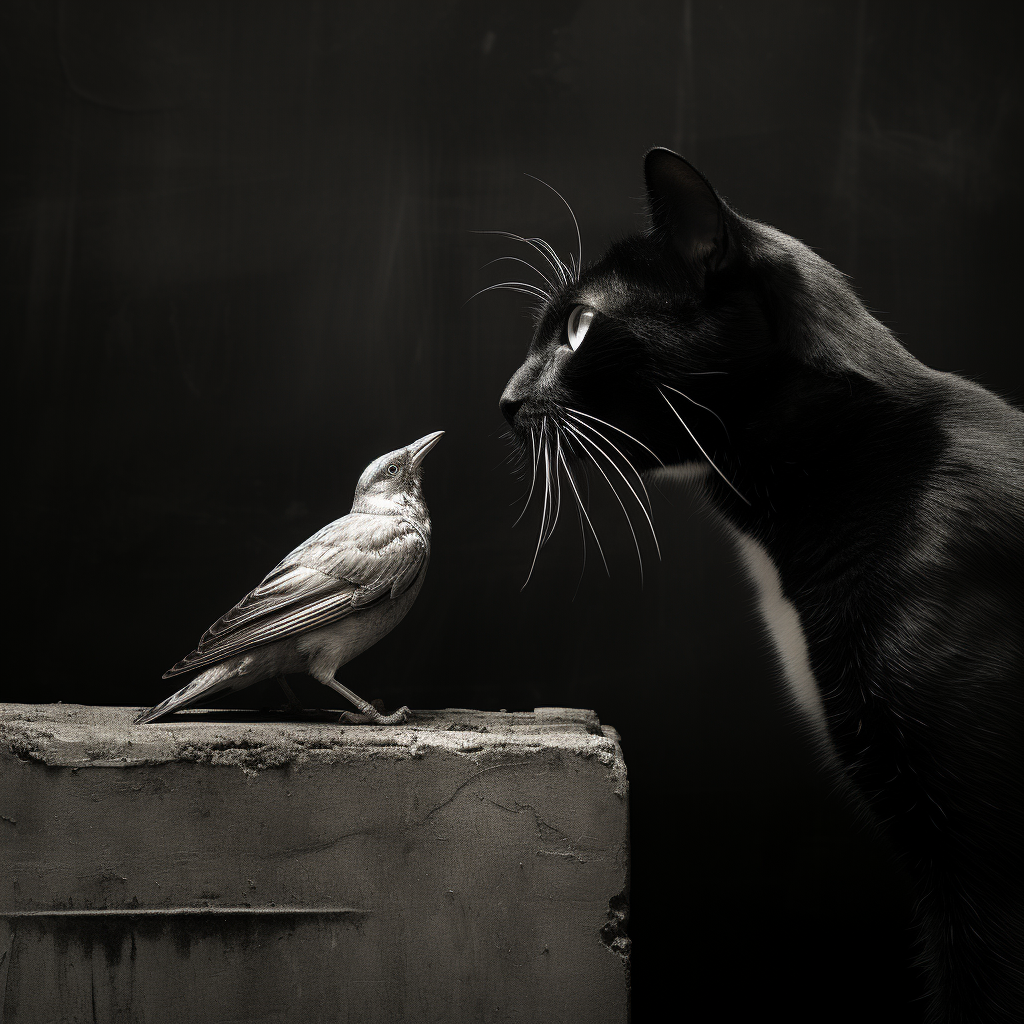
(237, 250)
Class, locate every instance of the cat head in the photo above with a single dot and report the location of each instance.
(626, 349)
(686, 350)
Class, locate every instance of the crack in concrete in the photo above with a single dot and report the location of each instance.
(546, 832)
(472, 778)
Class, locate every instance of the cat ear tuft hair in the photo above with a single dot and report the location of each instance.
(685, 210)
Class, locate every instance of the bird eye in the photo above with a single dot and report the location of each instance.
(579, 324)
(392, 469)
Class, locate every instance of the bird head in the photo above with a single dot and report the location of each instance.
(393, 483)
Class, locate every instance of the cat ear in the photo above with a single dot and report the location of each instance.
(685, 209)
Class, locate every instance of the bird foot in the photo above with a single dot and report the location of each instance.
(371, 716)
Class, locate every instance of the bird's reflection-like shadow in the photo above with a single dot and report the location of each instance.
(284, 715)
(201, 716)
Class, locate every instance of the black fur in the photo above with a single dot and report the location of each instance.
(890, 498)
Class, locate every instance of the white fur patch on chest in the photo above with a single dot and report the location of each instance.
(783, 623)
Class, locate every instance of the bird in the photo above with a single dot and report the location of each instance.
(330, 599)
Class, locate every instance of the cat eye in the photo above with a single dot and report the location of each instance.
(392, 469)
(579, 324)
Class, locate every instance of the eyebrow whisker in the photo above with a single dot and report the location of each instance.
(579, 238)
(535, 243)
(565, 273)
(524, 287)
(526, 263)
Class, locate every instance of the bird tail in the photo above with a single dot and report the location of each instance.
(205, 685)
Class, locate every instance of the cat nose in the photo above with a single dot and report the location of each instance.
(518, 389)
(509, 407)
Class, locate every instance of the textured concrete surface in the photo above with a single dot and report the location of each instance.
(467, 866)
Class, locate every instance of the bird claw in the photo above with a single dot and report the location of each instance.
(374, 717)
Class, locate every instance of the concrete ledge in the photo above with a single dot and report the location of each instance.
(467, 866)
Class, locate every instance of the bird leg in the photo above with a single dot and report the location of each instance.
(289, 693)
(368, 713)
(294, 705)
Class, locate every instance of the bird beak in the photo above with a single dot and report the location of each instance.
(418, 449)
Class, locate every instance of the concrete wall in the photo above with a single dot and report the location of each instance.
(465, 867)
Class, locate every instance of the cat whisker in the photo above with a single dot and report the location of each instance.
(533, 478)
(514, 457)
(579, 502)
(548, 465)
(526, 263)
(558, 483)
(611, 461)
(611, 487)
(607, 440)
(544, 507)
(699, 406)
(564, 273)
(579, 237)
(583, 533)
(535, 243)
(524, 287)
(579, 412)
(647, 510)
(698, 444)
(583, 537)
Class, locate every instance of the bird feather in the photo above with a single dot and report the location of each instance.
(348, 565)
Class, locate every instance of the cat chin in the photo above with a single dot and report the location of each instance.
(683, 472)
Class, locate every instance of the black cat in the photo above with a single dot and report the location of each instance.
(878, 503)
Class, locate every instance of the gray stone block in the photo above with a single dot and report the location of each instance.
(468, 866)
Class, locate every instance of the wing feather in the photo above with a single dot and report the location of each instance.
(346, 566)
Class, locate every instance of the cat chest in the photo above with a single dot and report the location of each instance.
(786, 631)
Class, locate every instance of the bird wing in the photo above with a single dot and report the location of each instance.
(349, 564)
